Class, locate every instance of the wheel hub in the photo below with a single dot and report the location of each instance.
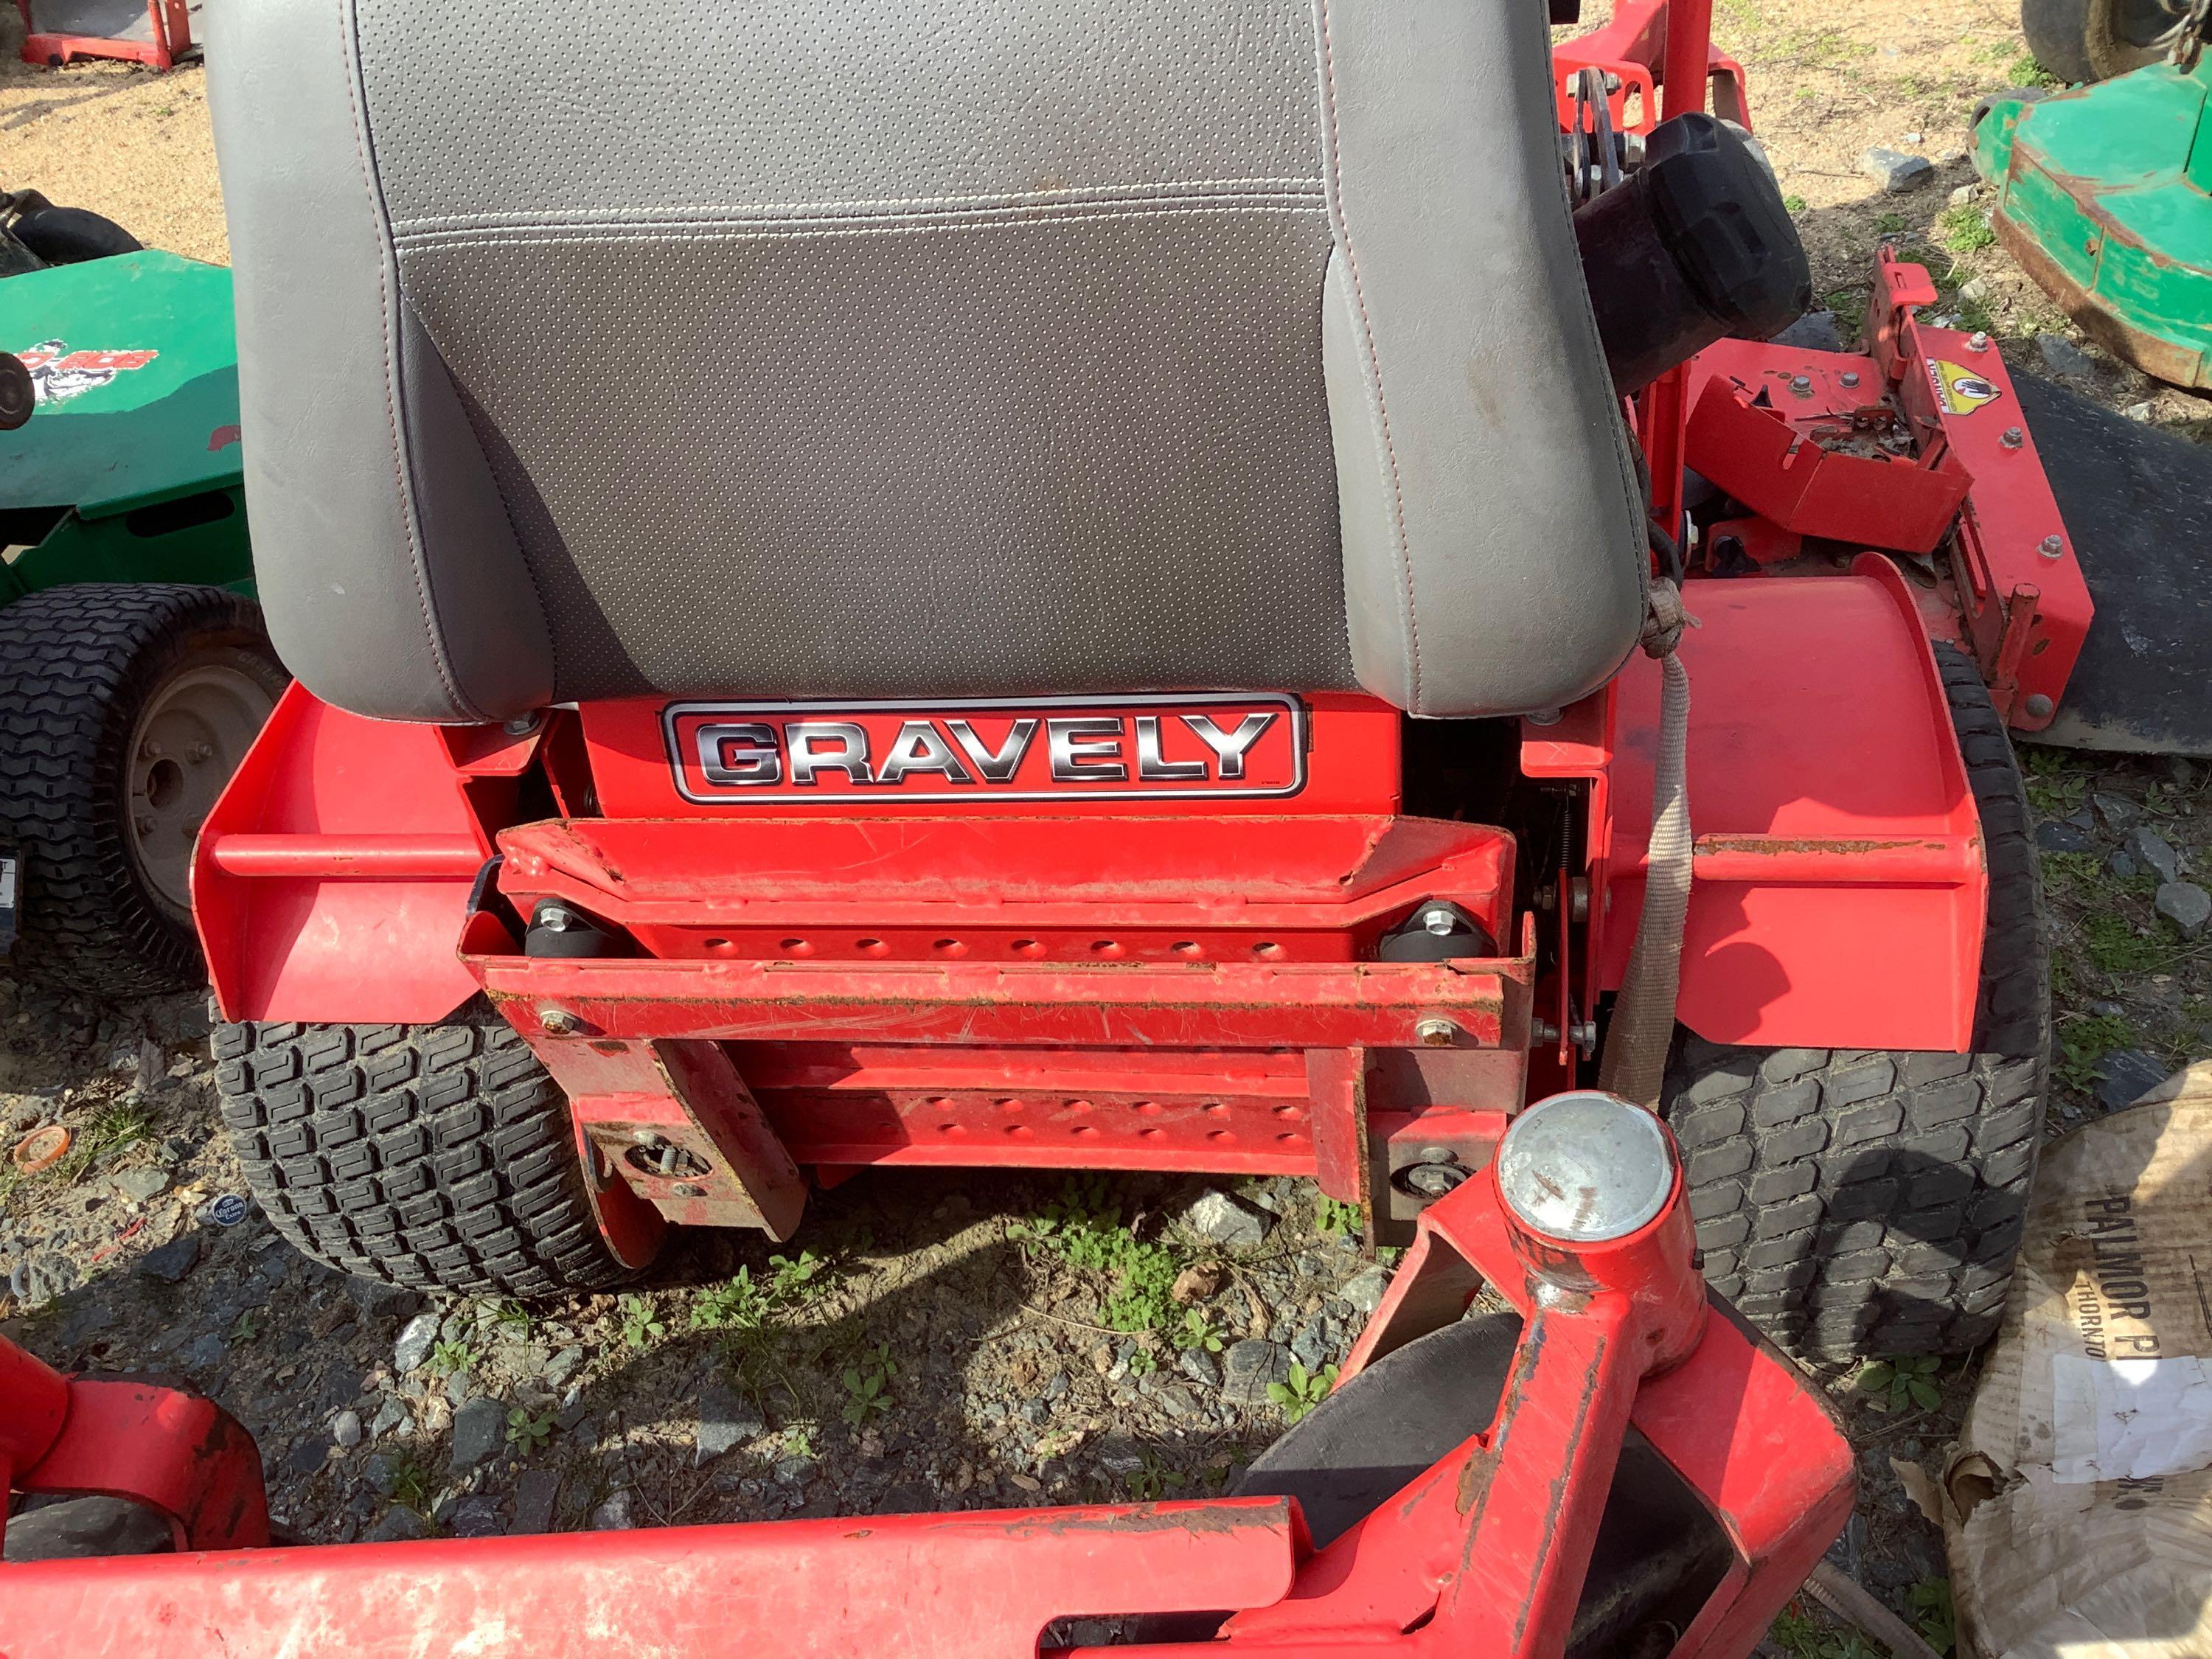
(189, 737)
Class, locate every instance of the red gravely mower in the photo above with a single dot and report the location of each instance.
(1092, 587)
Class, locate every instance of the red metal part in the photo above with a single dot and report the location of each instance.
(1484, 1553)
(331, 878)
(1647, 46)
(168, 37)
(678, 1123)
(1839, 881)
(180, 1455)
(1762, 424)
(1962, 480)
(2023, 603)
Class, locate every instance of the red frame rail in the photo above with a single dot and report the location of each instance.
(1484, 1553)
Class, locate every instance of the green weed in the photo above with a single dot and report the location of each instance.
(1801, 1635)
(1931, 1603)
(1303, 1391)
(1152, 1481)
(247, 1329)
(1335, 1216)
(1890, 1385)
(2024, 71)
(1083, 1227)
(447, 1357)
(1794, 205)
(868, 1384)
(1198, 1331)
(641, 1320)
(1889, 224)
(2115, 947)
(526, 1433)
(1964, 229)
(113, 1128)
(411, 1486)
(2084, 1040)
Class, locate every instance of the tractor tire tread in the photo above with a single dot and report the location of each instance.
(75, 663)
(1863, 1203)
(436, 1157)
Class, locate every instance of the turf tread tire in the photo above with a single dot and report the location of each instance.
(76, 665)
(437, 1157)
(1853, 1202)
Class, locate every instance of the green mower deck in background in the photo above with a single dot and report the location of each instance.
(134, 670)
(129, 470)
(2104, 196)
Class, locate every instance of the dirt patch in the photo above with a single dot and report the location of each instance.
(117, 139)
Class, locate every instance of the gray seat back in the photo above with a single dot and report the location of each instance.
(886, 347)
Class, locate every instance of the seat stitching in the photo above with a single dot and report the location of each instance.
(1374, 359)
(349, 48)
(1002, 198)
(800, 230)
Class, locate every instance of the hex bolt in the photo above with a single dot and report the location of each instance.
(151, 749)
(2013, 438)
(1439, 921)
(1978, 341)
(1801, 384)
(2040, 707)
(559, 1022)
(1432, 1179)
(200, 753)
(1438, 1155)
(559, 918)
(1850, 377)
(685, 1189)
(1542, 717)
(1435, 1033)
(521, 726)
(2051, 547)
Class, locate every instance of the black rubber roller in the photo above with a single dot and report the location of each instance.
(1692, 246)
(18, 396)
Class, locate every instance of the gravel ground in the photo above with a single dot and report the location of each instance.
(968, 1341)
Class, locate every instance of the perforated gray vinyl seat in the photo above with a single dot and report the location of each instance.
(605, 348)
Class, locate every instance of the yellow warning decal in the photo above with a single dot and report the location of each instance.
(1958, 389)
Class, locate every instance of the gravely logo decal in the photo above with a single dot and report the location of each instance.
(1005, 749)
(58, 372)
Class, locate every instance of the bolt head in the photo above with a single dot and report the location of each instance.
(1435, 1033)
(1850, 377)
(1978, 341)
(1801, 384)
(1542, 717)
(559, 918)
(1432, 1179)
(2051, 547)
(687, 1189)
(1586, 1167)
(2039, 707)
(2013, 438)
(1439, 921)
(559, 1022)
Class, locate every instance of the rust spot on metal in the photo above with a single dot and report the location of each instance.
(1784, 846)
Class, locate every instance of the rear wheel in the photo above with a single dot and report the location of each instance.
(124, 710)
(441, 1157)
(1863, 1202)
(2081, 40)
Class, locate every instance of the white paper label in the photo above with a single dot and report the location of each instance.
(2121, 1419)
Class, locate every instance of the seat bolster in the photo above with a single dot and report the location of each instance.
(392, 585)
(1494, 558)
